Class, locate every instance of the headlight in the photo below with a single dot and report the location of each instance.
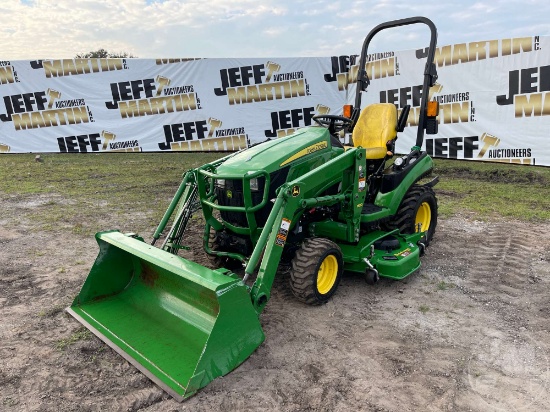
(220, 183)
(399, 162)
(254, 186)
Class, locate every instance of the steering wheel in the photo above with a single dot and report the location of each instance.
(333, 122)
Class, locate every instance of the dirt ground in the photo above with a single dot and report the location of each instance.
(468, 332)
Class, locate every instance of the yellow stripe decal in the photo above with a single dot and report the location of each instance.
(310, 149)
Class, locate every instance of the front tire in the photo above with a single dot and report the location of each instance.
(316, 271)
(220, 261)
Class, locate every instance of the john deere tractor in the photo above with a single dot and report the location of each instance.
(305, 200)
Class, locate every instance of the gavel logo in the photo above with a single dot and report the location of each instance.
(214, 124)
(488, 141)
(271, 68)
(436, 88)
(322, 109)
(162, 83)
(107, 138)
(53, 94)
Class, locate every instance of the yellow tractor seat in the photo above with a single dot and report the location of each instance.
(375, 127)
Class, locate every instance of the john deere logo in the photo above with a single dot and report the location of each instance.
(229, 194)
(295, 190)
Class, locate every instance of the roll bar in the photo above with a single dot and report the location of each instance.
(430, 72)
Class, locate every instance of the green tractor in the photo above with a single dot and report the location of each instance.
(305, 200)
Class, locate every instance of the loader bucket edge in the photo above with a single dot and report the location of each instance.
(178, 322)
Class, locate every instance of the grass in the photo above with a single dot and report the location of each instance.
(508, 190)
(423, 308)
(442, 285)
(75, 192)
(83, 194)
(51, 312)
(80, 334)
(96, 175)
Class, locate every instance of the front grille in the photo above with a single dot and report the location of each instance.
(232, 195)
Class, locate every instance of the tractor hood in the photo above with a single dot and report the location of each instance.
(275, 154)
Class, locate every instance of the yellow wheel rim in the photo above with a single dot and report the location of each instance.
(423, 216)
(327, 274)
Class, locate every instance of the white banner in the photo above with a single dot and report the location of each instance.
(492, 97)
(491, 93)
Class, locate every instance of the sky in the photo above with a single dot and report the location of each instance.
(54, 29)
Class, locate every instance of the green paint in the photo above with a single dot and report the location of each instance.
(172, 318)
(397, 264)
(183, 324)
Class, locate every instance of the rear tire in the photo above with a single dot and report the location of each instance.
(418, 206)
(316, 271)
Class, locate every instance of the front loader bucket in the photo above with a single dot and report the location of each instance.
(178, 322)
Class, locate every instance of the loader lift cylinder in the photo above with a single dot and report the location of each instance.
(183, 324)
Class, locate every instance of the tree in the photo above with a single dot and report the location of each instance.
(102, 54)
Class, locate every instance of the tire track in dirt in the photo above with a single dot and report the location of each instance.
(502, 272)
(368, 348)
(500, 258)
(511, 351)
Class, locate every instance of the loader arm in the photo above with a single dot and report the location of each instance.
(290, 200)
(183, 324)
(182, 200)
